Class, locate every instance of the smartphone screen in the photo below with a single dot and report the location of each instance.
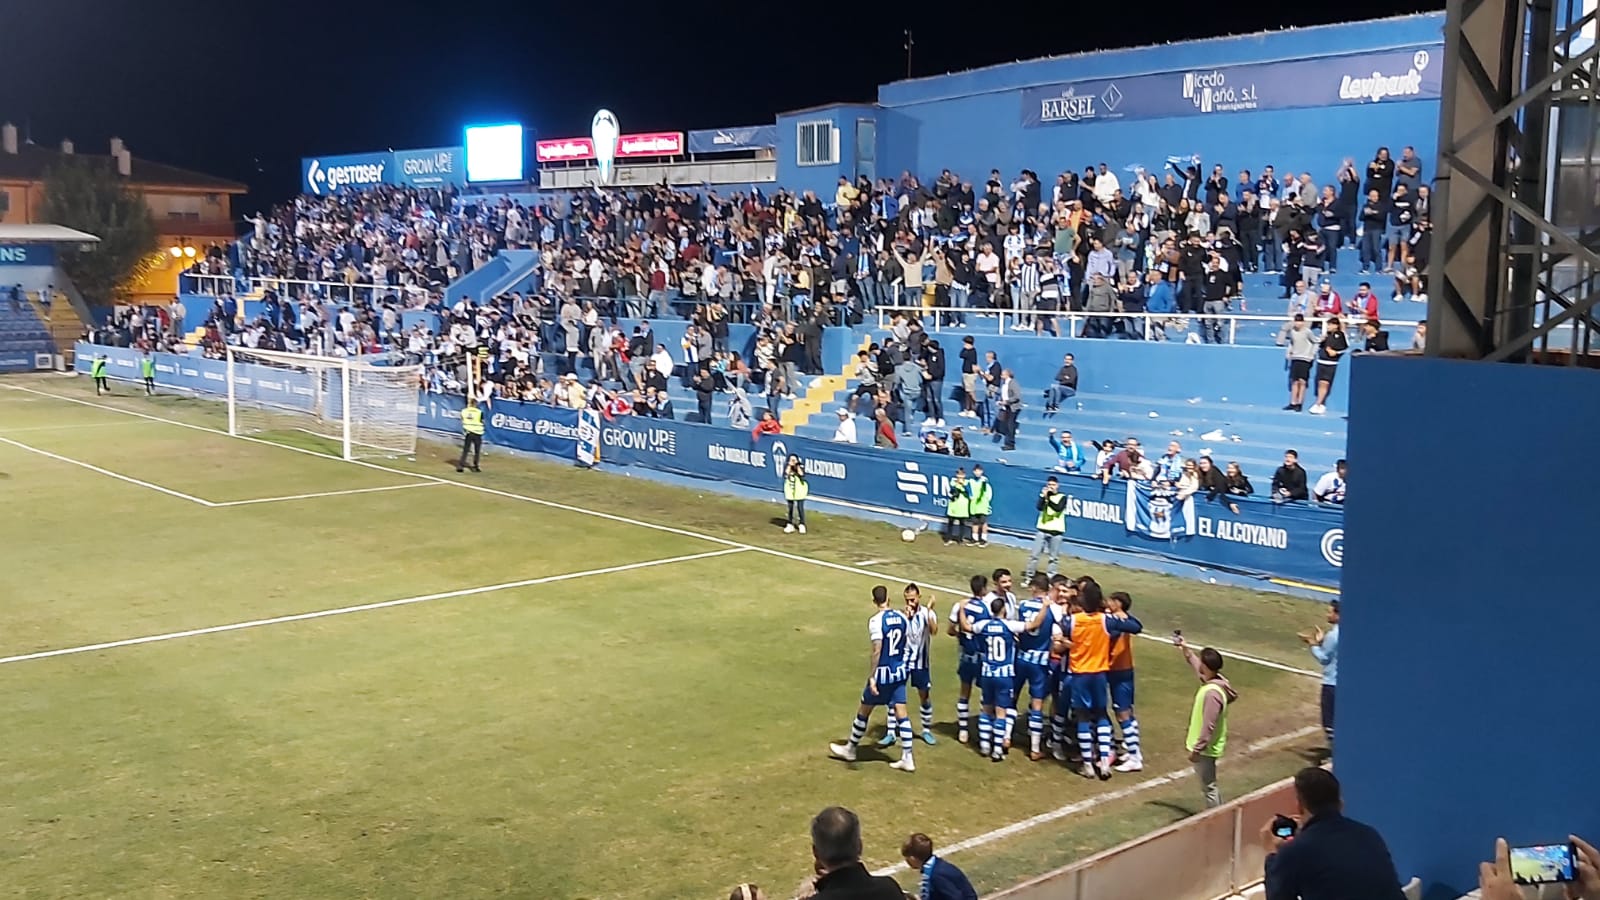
(1544, 864)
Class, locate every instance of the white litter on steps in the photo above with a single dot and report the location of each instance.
(1192, 400)
(1214, 434)
(1154, 414)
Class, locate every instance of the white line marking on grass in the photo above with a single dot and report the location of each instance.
(345, 610)
(854, 570)
(371, 490)
(1089, 803)
(107, 472)
(65, 427)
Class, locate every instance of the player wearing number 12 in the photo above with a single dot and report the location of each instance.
(889, 631)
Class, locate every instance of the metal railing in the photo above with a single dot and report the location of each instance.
(1077, 323)
(287, 288)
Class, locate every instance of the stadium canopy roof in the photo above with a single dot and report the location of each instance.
(45, 234)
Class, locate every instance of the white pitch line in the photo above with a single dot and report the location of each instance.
(107, 472)
(32, 428)
(364, 607)
(1090, 803)
(854, 570)
(371, 490)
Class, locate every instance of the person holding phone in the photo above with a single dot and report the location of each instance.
(1575, 864)
(1326, 854)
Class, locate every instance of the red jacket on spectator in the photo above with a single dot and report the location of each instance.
(766, 426)
(1364, 306)
(1329, 304)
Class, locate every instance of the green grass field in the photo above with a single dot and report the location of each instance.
(519, 690)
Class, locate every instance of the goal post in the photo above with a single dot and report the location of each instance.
(368, 408)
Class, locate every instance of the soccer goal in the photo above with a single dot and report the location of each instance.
(371, 410)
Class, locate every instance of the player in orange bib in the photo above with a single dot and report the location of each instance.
(1089, 634)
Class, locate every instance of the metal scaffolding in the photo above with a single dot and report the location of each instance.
(1515, 275)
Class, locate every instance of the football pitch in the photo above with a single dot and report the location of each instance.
(245, 668)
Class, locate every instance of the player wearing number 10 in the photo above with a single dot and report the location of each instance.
(889, 630)
(996, 638)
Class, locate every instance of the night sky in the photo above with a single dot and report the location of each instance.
(244, 89)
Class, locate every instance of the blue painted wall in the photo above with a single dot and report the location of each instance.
(822, 179)
(1169, 370)
(1467, 662)
(970, 121)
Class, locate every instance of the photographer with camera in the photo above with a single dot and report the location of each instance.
(795, 491)
(1321, 854)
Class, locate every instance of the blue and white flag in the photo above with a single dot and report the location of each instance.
(588, 437)
(1154, 510)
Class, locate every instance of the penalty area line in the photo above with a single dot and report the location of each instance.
(107, 472)
(1090, 803)
(363, 607)
(346, 493)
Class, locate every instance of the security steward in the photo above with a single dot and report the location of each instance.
(97, 370)
(471, 435)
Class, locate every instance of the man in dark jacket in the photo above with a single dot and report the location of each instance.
(1330, 857)
(836, 849)
(1289, 482)
(940, 879)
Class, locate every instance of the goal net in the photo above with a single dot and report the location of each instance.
(370, 409)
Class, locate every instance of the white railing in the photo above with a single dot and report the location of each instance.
(294, 288)
(1153, 326)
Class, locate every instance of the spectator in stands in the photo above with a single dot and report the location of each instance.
(768, 425)
(1010, 401)
(1329, 857)
(1373, 218)
(845, 432)
(939, 879)
(1374, 338)
(958, 446)
(836, 853)
(1069, 457)
(1330, 487)
(1302, 349)
(1331, 347)
(1496, 882)
(883, 430)
(1208, 721)
(1325, 649)
(1238, 484)
(1289, 482)
(1065, 386)
(1215, 485)
(1129, 463)
(1419, 339)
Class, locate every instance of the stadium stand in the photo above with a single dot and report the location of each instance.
(24, 331)
(772, 295)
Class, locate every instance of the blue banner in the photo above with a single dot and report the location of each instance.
(323, 175)
(435, 167)
(722, 140)
(27, 255)
(1388, 76)
(1291, 540)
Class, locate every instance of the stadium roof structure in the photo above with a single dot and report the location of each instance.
(44, 234)
(32, 161)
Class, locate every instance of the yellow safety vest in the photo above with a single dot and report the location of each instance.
(795, 488)
(1197, 721)
(960, 501)
(472, 420)
(1050, 520)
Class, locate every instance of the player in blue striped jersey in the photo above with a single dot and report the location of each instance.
(1033, 657)
(970, 663)
(1000, 586)
(996, 637)
(924, 619)
(889, 631)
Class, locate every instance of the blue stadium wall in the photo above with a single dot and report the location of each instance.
(972, 121)
(1466, 654)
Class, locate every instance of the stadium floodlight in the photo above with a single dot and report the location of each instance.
(604, 131)
(370, 409)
